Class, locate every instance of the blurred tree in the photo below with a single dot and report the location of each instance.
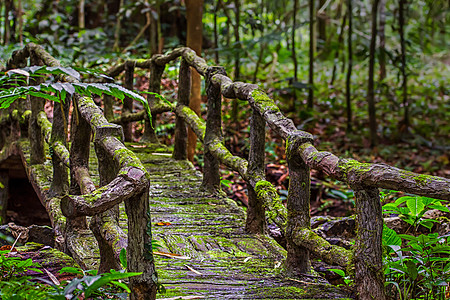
(194, 14)
(370, 89)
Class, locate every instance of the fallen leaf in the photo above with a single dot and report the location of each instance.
(171, 255)
(138, 146)
(247, 259)
(163, 224)
(52, 277)
(193, 270)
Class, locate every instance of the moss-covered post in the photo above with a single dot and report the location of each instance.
(211, 176)
(184, 92)
(139, 250)
(298, 204)
(128, 102)
(80, 135)
(256, 220)
(109, 220)
(369, 275)
(156, 72)
(60, 182)
(4, 194)
(108, 102)
(37, 152)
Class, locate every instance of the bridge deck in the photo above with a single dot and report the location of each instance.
(220, 261)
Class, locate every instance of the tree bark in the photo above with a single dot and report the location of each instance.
(294, 55)
(349, 69)
(368, 252)
(401, 22)
(311, 54)
(194, 14)
(382, 49)
(370, 88)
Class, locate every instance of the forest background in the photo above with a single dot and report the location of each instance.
(368, 78)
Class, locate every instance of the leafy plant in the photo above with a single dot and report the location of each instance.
(421, 268)
(347, 278)
(414, 210)
(14, 86)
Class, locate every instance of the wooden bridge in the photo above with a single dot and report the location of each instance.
(115, 195)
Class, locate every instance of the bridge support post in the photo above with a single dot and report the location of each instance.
(211, 176)
(108, 221)
(256, 220)
(156, 72)
(298, 205)
(60, 182)
(37, 152)
(369, 274)
(184, 92)
(128, 102)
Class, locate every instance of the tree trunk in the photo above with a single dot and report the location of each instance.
(216, 34)
(311, 54)
(81, 23)
(322, 25)
(294, 54)
(382, 57)
(337, 51)
(349, 69)
(401, 20)
(194, 13)
(118, 27)
(6, 26)
(237, 61)
(20, 21)
(370, 89)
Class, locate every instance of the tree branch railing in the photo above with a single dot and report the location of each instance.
(294, 221)
(122, 178)
(117, 168)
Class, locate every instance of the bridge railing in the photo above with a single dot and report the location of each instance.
(122, 178)
(364, 178)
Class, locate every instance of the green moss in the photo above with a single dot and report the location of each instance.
(353, 165)
(264, 101)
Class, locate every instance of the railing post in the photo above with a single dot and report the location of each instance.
(256, 220)
(184, 92)
(139, 250)
(60, 182)
(298, 204)
(211, 176)
(128, 102)
(108, 101)
(37, 152)
(369, 275)
(107, 170)
(80, 134)
(156, 72)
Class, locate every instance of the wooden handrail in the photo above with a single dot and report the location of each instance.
(363, 178)
(122, 178)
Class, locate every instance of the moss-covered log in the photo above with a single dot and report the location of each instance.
(330, 254)
(58, 147)
(375, 175)
(120, 189)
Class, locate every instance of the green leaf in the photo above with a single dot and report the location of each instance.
(71, 270)
(390, 237)
(412, 269)
(415, 205)
(338, 271)
(123, 257)
(122, 285)
(105, 279)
